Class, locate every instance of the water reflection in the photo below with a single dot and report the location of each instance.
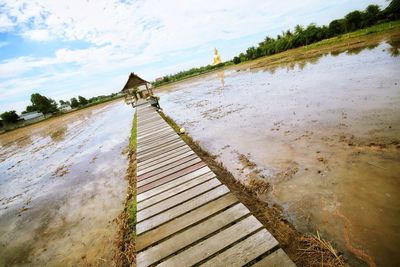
(323, 131)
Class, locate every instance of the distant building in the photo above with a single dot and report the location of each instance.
(159, 79)
(31, 116)
(65, 108)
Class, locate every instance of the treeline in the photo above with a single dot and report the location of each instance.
(188, 73)
(46, 105)
(302, 36)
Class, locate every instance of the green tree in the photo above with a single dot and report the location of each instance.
(371, 15)
(392, 11)
(74, 103)
(42, 104)
(353, 20)
(10, 116)
(82, 101)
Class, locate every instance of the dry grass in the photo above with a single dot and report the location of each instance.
(315, 247)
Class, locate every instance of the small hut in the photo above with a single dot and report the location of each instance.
(136, 88)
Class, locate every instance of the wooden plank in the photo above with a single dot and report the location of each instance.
(173, 191)
(162, 169)
(175, 200)
(214, 243)
(149, 134)
(186, 220)
(164, 149)
(170, 143)
(157, 143)
(170, 177)
(151, 128)
(157, 137)
(276, 259)
(244, 251)
(187, 206)
(191, 235)
(160, 157)
(163, 162)
(163, 157)
(183, 179)
(173, 170)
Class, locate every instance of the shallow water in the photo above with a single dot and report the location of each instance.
(61, 185)
(323, 132)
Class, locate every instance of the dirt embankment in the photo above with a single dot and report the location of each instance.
(124, 250)
(304, 250)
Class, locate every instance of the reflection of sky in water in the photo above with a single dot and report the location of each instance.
(70, 144)
(281, 116)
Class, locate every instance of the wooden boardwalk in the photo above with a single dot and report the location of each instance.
(185, 215)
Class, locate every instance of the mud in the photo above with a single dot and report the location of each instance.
(62, 185)
(323, 133)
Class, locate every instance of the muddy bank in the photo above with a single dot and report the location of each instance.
(322, 132)
(62, 184)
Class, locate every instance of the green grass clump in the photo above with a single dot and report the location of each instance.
(132, 141)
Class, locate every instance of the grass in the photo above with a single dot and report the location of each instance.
(124, 252)
(132, 141)
(382, 27)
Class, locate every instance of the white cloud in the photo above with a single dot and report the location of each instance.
(3, 44)
(37, 35)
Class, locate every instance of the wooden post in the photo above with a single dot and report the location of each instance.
(149, 90)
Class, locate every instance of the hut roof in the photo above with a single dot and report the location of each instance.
(133, 82)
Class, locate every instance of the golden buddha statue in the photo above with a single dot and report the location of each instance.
(217, 57)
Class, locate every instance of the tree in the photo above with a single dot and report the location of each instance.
(371, 14)
(336, 27)
(353, 20)
(392, 11)
(10, 116)
(42, 104)
(74, 103)
(82, 101)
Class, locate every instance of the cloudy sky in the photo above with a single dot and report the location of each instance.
(88, 47)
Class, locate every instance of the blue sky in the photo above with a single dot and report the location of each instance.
(89, 47)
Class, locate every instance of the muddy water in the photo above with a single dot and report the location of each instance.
(323, 132)
(62, 183)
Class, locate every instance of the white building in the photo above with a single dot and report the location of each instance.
(65, 108)
(29, 116)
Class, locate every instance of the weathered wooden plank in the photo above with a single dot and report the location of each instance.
(173, 170)
(174, 191)
(163, 162)
(175, 200)
(170, 177)
(181, 209)
(161, 149)
(160, 157)
(157, 144)
(276, 259)
(191, 235)
(157, 137)
(149, 134)
(214, 243)
(186, 220)
(244, 251)
(170, 147)
(183, 179)
(167, 167)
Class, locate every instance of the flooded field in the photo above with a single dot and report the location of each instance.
(323, 133)
(61, 185)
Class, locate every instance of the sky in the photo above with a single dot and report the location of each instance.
(63, 49)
